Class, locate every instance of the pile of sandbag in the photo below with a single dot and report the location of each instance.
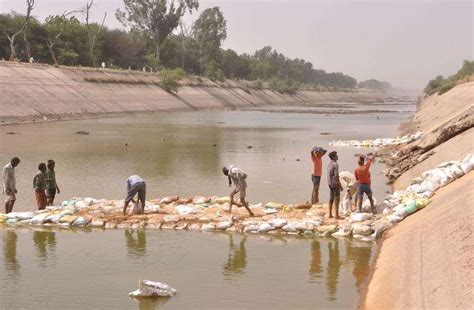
(400, 204)
(379, 142)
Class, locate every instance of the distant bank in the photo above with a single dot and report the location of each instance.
(427, 261)
(36, 92)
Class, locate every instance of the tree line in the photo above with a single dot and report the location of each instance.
(156, 38)
(441, 85)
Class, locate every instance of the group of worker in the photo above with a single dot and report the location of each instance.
(355, 185)
(45, 185)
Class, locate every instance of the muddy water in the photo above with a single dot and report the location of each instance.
(67, 270)
(182, 153)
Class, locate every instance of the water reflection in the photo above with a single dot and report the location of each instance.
(333, 268)
(44, 240)
(9, 251)
(360, 256)
(136, 245)
(315, 270)
(237, 259)
(151, 303)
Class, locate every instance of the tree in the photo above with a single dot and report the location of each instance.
(156, 19)
(15, 25)
(209, 31)
(121, 48)
(29, 8)
(55, 26)
(93, 31)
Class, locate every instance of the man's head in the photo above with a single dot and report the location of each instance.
(319, 150)
(15, 161)
(361, 160)
(51, 164)
(42, 167)
(333, 155)
(225, 170)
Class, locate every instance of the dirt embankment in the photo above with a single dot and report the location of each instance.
(427, 261)
(40, 92)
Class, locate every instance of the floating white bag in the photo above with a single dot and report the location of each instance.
(153, 289)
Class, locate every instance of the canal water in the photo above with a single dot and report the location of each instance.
(182, 153)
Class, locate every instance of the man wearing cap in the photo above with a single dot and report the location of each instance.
(9, 184)
(334, 183)
(316, 156)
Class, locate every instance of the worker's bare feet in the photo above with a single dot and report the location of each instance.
(330, 216)
(339, 218)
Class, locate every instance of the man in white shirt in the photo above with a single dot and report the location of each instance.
(9, 184)
(238, 178)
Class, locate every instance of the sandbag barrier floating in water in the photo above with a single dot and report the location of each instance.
(380, 142)
(147, 288)
(209, 213)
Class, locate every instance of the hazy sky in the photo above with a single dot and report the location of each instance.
(404, 42)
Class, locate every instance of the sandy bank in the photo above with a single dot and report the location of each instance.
(40, 92)
(426, 261)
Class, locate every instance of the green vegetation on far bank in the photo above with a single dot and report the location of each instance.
(158, 41)
(442, 85)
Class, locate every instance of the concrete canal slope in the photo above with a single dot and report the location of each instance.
(427, 261)
(41, 92)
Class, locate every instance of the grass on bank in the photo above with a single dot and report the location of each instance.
(441, 85)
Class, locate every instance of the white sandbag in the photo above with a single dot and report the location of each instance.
(366, 205)
(224, 225)
(432, 183)
(91, 201)
(199, 200)
(467, 163)
(343, 232)
(290, 227)
(81, 221)
(395, 218)
(360, 217)
(20, 216)
(387, 211)
(251, 228)
(81, 204)
(153, 289)
(360, 229)
(277, 223)
(456, 170)
(53, 218)
(426, 194)
(265, 227)
(152, 208)
(345, 205)
(208, 227)
(185, 209)
(270, 211)
(136, 209)
(39, 219)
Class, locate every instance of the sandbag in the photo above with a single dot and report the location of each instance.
(136, 209)
(456, 171)
(277, 223)
(422, 202)
(410, 207)
(153, 289)
(3, 218)
(274, 205)
(265, 227)
(224, 225)
(20, 216)
(185, 209)
(251, 228)
(467, 163)
(360, 217)
(39, 219)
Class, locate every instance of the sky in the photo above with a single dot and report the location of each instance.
(404, 42)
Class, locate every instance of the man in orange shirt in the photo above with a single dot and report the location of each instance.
(316, 154)
(362, 175)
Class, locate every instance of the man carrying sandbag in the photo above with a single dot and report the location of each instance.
(237, 176)
(135, 185)
(362, 175)
(316, 157)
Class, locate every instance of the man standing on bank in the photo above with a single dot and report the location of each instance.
(334, 183)
(135, 185)
(39, 185)
(51, 186)
(362, 175)
(237, 176)
(316, 156)
(9, 184)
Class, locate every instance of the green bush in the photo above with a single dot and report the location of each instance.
(169, 79)
(214, 73)
(441, 85)
(446, 87)
(284, 86)
(258, 84)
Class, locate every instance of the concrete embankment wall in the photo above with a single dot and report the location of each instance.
(36, 92)
(427, 261)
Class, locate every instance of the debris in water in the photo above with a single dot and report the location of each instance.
(82, 132)
(249, 147)
(147, 288)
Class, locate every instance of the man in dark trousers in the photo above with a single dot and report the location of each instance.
(334, 183)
